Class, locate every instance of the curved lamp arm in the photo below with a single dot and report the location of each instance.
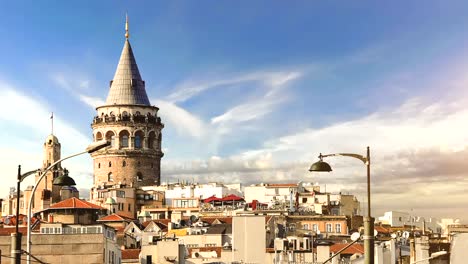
(357, 156)
(95, 146)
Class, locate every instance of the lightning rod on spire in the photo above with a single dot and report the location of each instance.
(127, 35)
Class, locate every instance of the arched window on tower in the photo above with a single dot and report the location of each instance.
(139, 176)
(151, 140)
(159, 140)
(110, 136)
(123, 138)
(124, 163)
(110, 177)
(98, 136)
(138, 139)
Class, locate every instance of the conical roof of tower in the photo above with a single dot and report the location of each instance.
(127, 87)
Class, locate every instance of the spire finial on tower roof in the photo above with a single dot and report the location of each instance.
(127, 35)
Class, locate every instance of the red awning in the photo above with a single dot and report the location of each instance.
(212, 199)
(232, 197)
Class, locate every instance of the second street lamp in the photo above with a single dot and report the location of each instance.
(322, 166)
(95, 146)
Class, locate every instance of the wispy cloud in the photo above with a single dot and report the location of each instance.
(76, 86)
(191, 88)
(184, 122)
(24, 129)
(411, 146)
(259, 106)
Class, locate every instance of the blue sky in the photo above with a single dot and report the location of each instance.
(252, 92)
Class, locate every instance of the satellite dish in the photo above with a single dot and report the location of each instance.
(193, 218)
(355, 236)
(405, 234)
(375, 233)
(394, 235)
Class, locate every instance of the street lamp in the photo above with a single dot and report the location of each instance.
(16, 237)
(95, 146)
(368, 237)
(433, 256)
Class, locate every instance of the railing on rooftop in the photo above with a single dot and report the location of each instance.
(129, 118)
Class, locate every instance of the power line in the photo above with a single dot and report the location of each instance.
(5, 256)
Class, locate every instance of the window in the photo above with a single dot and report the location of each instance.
(111, 137)
(151, 139)
(99, 165)
(124, 163)
(315, 227)
(305, 226)
(98, 136)
(110, 177)
(138, 139)
(139, 176)
(338, 228)
(121, 194)
(129, 207)
(124, 135)
(110, 164)
(304, 200)
(328, 228)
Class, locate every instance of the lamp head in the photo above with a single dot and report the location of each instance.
(64, 180)
(95, 146)
(320, 166)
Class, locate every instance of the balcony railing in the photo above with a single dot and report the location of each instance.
(140, 119)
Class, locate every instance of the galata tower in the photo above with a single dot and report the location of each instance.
(132, 125)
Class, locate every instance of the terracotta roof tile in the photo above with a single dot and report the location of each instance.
(75, 203)
(356, 248)
(130, 253)
(114, 218)
(6, 231)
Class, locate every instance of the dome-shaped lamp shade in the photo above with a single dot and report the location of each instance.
(110, 200)
(320, 166)
(64, 180)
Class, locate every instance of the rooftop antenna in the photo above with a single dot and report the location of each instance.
(127, 35)
(52, 122)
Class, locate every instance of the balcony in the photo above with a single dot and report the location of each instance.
(137, 119)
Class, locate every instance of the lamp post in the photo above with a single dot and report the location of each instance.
(16, 237)
(368, 237)
(90, 149)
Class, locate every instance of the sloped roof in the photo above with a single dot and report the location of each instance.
(127, 87)
(114, 218)
(131, 253)
(160, 221)
(222, 219)
(219, 229)
(75, 203)
(356, 248)
(282, 185)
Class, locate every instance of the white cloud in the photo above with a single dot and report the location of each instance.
(25, 124)
(183, 121)
(260, 106)
(411, 147)
(76, 84)
(91, 101)
(189, 89)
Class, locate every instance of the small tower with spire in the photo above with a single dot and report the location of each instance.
(132, 125)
